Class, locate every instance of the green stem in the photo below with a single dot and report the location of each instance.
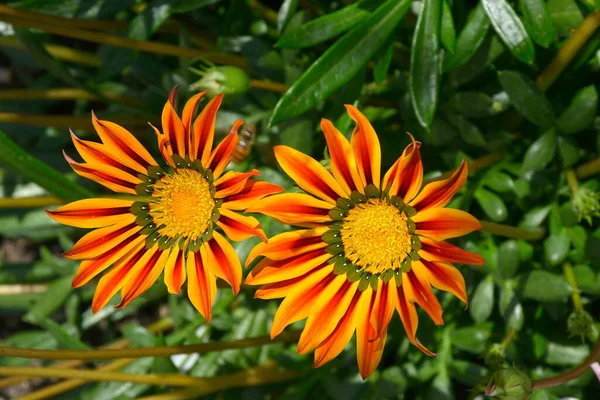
(512, 231)
(570, 277)
(572, 180)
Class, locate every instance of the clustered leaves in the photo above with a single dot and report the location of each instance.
(481, 80)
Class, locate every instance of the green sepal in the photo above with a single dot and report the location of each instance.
(148, 229)
(336, 258)
(358, 198)
(365, 281)
(371, 191)
(355, 274)
(146, 179)
(165, 242)
(194, 245)
(410, 224)
(208, 174)
(152, 239)
(178, 161)
(344, 204)
(143, 219)
(414, 255)
(214, 217)
(208, 234)
(398, 277)
(155, 172)
(144, 189)
(337, 214)
(332, 236)
(335, 249)
(139, 207)
(415, 243)
(410, 211)
(387, 275)
(342, 266)
(405, 265)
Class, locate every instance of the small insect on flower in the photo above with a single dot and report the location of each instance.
(244, 146)
(368, 246)
(181, 213)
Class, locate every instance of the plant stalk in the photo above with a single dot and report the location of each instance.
(512, 231)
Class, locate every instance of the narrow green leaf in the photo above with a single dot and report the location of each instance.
(570, 152)
(425, 59)
(12, 155)
(527, 99)
(484, 57)
(327, 26)
(340, 62)
(556, 247)
(469, 39)
(492, 205)
(540, 153)
(510, 307)
(148, 21)
(508, 259)
(286, 11)
(537, 21)
(482, 301)
(184, 6)
(468, 131)
(447, 30)
(383, 64)
(66, 338)
(581, 112)
(544, 286)
(50, 301)
(510, 29)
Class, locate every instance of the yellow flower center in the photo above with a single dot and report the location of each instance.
(375, 236)
(183, 204)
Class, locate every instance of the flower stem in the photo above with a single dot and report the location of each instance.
(512, 231)
(63, 53)
(271, 86)
(568, 51)
(572, 374)
(475, 165)
(63, 94)
(65, 121)
(30, 202)
(572, 180)
(510, 336)
(570, 277)
(588, 169)
(264, 11)
(161, 351)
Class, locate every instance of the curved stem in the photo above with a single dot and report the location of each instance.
(572, 374)
(63, 53)
(512, 231)
(588, 169)
(510, 336)
(572, 180)
(570, 277)
(271, 86)
(30, 202)
(161, 351)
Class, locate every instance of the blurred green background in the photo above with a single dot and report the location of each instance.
(509, 85)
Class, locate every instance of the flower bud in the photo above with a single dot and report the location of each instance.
(580, 323)
(495, 356)
(509, 384)
(231, 81)
(586, 204)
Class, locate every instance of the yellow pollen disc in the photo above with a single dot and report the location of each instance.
(375, 236)
(182, 203)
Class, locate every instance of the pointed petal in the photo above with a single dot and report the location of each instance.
(232, 182)
(343, 163)
(223, 153)
(438, 194)
(113, 178)
(175, 271)
(202, 285)
(446, 252)
(383, 308)
(223, 261)
(281, 289)
(122, 142)
(419, 290)
(300, 301)
(98, 242)
(270, 271)
(289, 244)
(294, 209)
(444, 223)
(405, 177)
(309, 174)
(164, 146)
(253, 191)
(328, 311)
(333, 345)
(188, 114)
(366, 148)
(239, 227)
(203, 130)
(368, 352)
(91, 213)
(143, 276)
(410, 320)
(445, 277)
(97, 154)
(173, 127)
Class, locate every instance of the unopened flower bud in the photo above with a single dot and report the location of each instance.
(495, 356)
(509, 384)
(586, 204)
(232, 81)
(580, 323)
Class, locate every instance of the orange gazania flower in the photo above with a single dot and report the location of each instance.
(171, 224)
(369, 246)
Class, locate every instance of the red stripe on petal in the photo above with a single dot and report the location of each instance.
(203, 131)
(444, 251)
(366, 148)
(439, 194)
(444, 223)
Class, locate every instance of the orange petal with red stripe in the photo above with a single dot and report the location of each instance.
(309, 174)
(419, 290)
(173, 127)
(239, 227)
(143, 276)
(203, 131)
(439, 194)
(281, 289)
(202, 285)
(91, 213)
(223, 153)
(343, 163)
(289, 244)
(100, 241)
(175, 271)
(223, 261)
(294, 209)
(269, 271)
(252, 192)
(97, 154)
(445, 277)
(232, 182)
(113, 178)
(368, 351)
(405, 177)
(188, 114)
(446, 252)
(383, 308)
(366, 148)
(410, 320)
(444, 223)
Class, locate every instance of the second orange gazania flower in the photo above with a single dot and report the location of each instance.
(180, 216)
(368, 246)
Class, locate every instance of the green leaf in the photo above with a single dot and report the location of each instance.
(564, 354)
(534, 217)
(425, 73)
(556, 247)
(545, 286)
(510, 307)
(472, 339)
(508, 259)
(581, 112)
(148, 21)
(66, 338)
(327, 26)
(469, 39)
(50, 301)
(569, 151)
(12, 155)
(540, 153)
(382, 65)
(565, 15)
(184, 6)
(340, 62)
(286, 12)
(537, 21)
(498, 181)
(510, 29)
(473, 104)
(447, 30)
(466, 129)
(467, 373)
(527, 99)
(482, 301)
(491, 204)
